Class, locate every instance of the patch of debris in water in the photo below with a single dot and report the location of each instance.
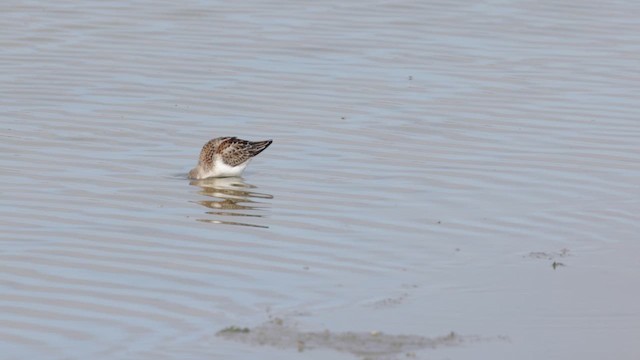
(373, 345)
(551, 256)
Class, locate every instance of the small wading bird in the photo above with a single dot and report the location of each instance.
(226, 156)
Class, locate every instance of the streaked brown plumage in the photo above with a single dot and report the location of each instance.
(226, 156)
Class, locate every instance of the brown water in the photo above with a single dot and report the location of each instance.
(436, 167)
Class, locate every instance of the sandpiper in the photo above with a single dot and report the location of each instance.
(226, 156)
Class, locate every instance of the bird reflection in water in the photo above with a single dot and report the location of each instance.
(231, 198)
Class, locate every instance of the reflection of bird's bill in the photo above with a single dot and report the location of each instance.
(232, 223)
(228, 188)
(227, 204)
(230, 198)
(224, 188)
(222, 213)
(222, 183)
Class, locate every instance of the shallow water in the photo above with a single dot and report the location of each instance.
(431, 162)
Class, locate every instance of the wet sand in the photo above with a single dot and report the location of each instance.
(436, 168)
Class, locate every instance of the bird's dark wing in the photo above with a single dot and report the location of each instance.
(234, 151)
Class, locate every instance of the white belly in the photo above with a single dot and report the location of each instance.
(221, 169)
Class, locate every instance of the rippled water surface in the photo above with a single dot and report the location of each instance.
(436, 167)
